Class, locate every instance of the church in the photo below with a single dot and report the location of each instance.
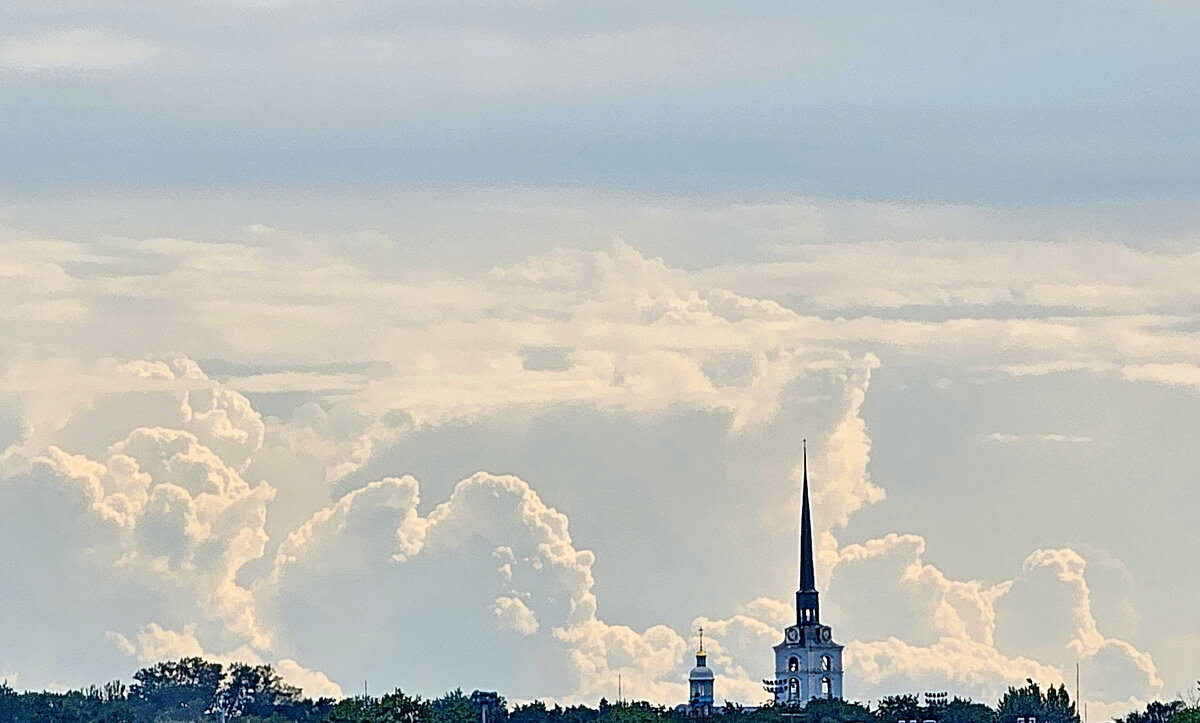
(808, 663)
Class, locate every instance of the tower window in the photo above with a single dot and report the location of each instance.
(826, 662)
(793, 664)
(793, 689)
(826, 688)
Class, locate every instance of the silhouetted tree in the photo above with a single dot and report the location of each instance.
(255, 690)
(1156, 712)
(834, 710)
(1191, 714)
(182, 690)
(894, 708)
(961, 710)
(1055, 706)
(453, 707)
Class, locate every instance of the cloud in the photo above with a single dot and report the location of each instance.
(161, 507)
(1007, 438)
(315, 684)
(936, 632)
(195, 519)
(512, 614)
(1066, 628)
(153, 643)
(529, 578)
(74, 50)
(1176, 374)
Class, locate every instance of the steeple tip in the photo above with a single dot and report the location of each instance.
(807, 576)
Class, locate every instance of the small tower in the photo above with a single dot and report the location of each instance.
(700, 685)
(485, 702)
(808, 664)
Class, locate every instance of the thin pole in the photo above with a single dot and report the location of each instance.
(1077, 686)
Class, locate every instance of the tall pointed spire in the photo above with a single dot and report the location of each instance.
(808, 607)
(807, 578)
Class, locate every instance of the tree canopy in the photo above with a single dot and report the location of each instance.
(193, 689)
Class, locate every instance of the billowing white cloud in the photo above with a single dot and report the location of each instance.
(513, 614)
(197, 523)
(1065, 627)
(314, 683)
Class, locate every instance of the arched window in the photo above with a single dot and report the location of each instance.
(793, 664)
(826, 662)
(826, 688)
(793, 689)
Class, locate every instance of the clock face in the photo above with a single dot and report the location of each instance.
(826, 636)
(793, 635)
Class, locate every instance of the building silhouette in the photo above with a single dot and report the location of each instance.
(808, 663)
(700, 685)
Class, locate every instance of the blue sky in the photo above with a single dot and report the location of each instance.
(331, 330)
(1018, 102)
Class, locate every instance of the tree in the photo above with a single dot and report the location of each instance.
(396, 707)
(453, 707)
(532, 712)
(635, 712)
(1187, 715)
(576, 714)
(255, 690)
(353, 710)
(1156, 712)
(1055, 706)
(835, 710)
(894, 708)
(12, 705)
(961, 710)
(181, 690)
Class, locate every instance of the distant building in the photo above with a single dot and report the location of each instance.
(808, 663)
(485, 702)
(700, 685)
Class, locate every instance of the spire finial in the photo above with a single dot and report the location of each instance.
(702, 640)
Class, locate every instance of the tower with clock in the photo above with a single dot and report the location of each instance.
(808, 663)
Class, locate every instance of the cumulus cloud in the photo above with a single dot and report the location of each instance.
(513, 614)
(1066, 627)
(155, 530)
(313, 682)
(172, 506)
(195, 522)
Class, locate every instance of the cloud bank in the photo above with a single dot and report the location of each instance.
(323, 492)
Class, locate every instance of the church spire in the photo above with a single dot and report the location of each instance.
(807, 578)
(807, 605)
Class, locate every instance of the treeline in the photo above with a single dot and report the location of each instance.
(195, 690)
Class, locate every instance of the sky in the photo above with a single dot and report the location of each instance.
(472, 344)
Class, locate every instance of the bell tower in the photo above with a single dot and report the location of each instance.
(700, 685)
(808, 663)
